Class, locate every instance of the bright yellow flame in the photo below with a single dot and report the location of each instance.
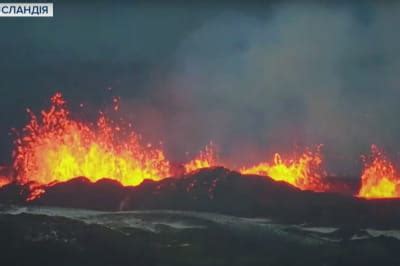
(56, 148)
(379, 179)
(303, 172)
(206, 158)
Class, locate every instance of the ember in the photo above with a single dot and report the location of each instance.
(206, 158)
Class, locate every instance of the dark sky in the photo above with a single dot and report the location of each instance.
(255, 78)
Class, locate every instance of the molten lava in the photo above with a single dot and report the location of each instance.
(304, 171)
(5, 174)
(4, 181)
(55, 148)
(206, 158)
(379, 179)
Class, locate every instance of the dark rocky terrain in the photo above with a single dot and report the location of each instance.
(215, 217)
(45, 236)
(222, 191)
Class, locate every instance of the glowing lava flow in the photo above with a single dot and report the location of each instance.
(379, 179)
(303, 172)
(4, 176)
(206, 158)
(56, 148)
(4, 181)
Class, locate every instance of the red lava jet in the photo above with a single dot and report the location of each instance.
(380, 178)
(54, 148)
(205, 159)
(303, 171)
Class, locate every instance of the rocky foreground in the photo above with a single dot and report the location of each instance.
(58, 236)
(211, 217)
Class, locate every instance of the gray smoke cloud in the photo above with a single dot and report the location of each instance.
(253, 79)
(297, 75)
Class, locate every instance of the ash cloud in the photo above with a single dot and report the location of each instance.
(297, 75)
(254, 80)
